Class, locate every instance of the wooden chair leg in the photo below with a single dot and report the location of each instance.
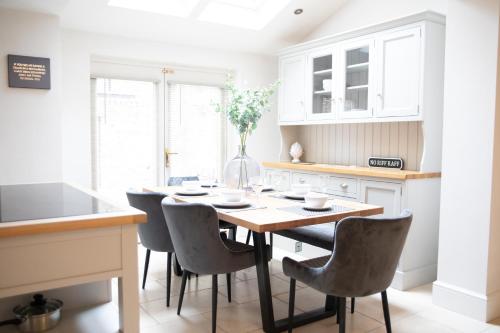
(341, 316)
(228, 280)
(146, 266)
(214, 302)
(249, 233)
(387, 316)
(291, 305)
(353, 302)
(169, 276)
(183, 288)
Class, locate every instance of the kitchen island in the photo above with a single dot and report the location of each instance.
(54, 235)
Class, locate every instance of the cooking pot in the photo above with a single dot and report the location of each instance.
(40, 315)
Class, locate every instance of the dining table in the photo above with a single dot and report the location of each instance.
(273, 211)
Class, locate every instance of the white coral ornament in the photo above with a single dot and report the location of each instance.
(296, 152)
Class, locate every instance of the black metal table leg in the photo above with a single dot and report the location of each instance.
(265, 295)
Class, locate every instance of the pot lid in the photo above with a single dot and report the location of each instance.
(39, 306)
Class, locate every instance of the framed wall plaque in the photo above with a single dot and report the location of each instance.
(386, 162)
(28, 72)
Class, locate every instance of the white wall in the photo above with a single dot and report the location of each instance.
(30, 119)
(78, 47)
(355, 14)
(468, 275)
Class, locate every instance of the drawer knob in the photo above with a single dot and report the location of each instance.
(344, 185)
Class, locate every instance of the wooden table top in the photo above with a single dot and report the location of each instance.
(354, 170)
(271, 218)
(30, 209)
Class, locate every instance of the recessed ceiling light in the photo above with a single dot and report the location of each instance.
(179, 8)
(298, 11)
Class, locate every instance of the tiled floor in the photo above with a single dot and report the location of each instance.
(411, 311)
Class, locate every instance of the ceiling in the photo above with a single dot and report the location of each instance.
(96, 16)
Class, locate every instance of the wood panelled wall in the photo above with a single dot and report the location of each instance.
(353, 144)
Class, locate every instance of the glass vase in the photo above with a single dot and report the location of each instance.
(239, 170)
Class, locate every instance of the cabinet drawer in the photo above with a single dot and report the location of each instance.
(307, 178)
(345, 187)
(279, 179)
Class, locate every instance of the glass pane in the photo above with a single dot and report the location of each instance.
(322, 84)
(195, 131)
(126, 138)
(356, 90)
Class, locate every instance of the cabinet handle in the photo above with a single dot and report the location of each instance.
(344, 185)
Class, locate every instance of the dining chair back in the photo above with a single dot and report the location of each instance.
(364, 260)
(154, 234)
(176, 181)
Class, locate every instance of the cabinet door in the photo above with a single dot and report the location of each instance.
(398, 75)
(292, 89)
(356, 66)
(320, 84)
(387, 195)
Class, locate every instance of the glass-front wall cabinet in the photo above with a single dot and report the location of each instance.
(356, 60)
(321, 65)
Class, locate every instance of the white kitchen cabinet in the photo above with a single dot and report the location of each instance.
(356, 79)
(399, 59)
(292, 89)
(278, 179)
(389, 72)
(385, 194)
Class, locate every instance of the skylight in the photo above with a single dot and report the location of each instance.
(249, 14)
(179, 8)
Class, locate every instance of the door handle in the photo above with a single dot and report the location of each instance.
(167, 157)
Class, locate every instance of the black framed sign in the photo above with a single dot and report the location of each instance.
(386, 162)
(28, 72)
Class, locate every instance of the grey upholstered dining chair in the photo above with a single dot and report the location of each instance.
(197, 241)
(154, 234)
(364, 260)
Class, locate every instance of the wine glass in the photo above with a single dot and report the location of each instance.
(257, 184)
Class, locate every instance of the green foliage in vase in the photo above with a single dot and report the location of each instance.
(245, 107)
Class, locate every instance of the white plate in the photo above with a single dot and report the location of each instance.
(317, 209)
(191, 192)
(292, 195)
(231, 204)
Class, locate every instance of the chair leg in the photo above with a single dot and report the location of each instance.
(387, 316)
(249, 233)
(291, 305)
(353, 302)
(338, 310)
(146, 266)
(342, 315)
(169, 276)
(177, 267)
(214, 302)
(228, 280)
(183, 288)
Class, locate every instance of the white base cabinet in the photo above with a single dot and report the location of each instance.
(418, 262)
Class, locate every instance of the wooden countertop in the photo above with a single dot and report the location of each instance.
(269, 216)
(354, 171)
(115, 216)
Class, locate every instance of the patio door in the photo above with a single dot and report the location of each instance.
(150, 123)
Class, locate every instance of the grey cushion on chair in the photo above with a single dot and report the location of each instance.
(320, 235)
(364, 258)
(195, 233)
(154, 234)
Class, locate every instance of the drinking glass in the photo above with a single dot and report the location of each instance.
(257, 184)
